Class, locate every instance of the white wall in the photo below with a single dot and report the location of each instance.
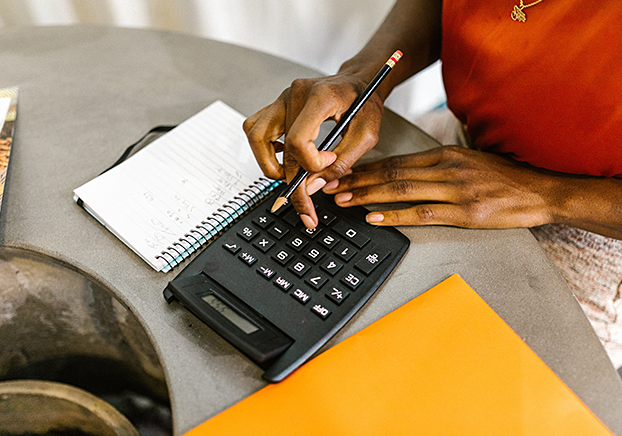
(317, 33)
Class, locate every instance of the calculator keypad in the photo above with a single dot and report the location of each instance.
(297, 284)
(305, 261)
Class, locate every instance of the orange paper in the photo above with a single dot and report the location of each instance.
(442, 364)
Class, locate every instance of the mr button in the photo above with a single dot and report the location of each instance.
(371, 260)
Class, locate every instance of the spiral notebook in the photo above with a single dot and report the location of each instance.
(180, 191)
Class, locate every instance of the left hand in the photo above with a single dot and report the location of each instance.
(452, 186)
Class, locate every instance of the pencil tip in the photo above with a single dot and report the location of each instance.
(278, 204)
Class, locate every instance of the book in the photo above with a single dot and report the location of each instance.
(442, 364)
(8, 114)
(179, 192)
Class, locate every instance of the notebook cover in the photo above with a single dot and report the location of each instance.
(8, 115)
(442, 364)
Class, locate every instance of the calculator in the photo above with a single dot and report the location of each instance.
(278, 291)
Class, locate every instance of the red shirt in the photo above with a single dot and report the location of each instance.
(547, 91)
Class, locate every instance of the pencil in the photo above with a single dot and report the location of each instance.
(340, 126)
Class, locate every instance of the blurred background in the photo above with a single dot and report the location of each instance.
(320, 34)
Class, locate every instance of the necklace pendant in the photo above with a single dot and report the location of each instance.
(518, 14)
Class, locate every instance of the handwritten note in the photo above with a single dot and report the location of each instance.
(158, 199)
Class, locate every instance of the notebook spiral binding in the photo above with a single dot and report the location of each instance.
(215, 224)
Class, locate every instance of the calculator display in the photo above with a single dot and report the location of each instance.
(222, 308)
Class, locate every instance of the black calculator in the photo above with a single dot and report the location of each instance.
(277, 291)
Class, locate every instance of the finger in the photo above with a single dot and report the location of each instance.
(263, 131)
(422, 214)
(398, 191)
(384, 176)
(426, 158)
(314, 183)
(300, 198)
(304, 206)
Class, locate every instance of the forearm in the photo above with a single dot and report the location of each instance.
(412, 26)
(589, 203)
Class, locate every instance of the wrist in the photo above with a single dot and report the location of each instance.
(554, 192)
(584, 202)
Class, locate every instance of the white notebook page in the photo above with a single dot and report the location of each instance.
(169, 187)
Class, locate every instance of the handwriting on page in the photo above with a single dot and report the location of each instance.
(175, 183)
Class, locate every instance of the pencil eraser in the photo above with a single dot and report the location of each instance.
(394, 58)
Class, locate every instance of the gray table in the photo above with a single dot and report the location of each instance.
(87, 92)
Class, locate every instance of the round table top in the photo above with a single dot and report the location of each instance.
(85, 93)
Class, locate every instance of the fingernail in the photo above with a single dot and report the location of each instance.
(332, 185)
(308, 221)
(343, 197)
(374, 218)
(315, 185)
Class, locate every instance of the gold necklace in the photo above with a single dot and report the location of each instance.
(518, 14)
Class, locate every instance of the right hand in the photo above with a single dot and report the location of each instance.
(298, 113)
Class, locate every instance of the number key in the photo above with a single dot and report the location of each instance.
(316, 281)
(351, 234)
(299, 268)
(345, 252)
(331, 266)
(282, 257)
(314, 255)
(297, 243)
(328, 241)
(312, 233)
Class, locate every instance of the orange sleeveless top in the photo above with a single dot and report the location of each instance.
(548, 90)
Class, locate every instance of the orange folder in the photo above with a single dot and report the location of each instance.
(442, 364)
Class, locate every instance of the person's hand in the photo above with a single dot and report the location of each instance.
(450, 186)
(297, 114)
